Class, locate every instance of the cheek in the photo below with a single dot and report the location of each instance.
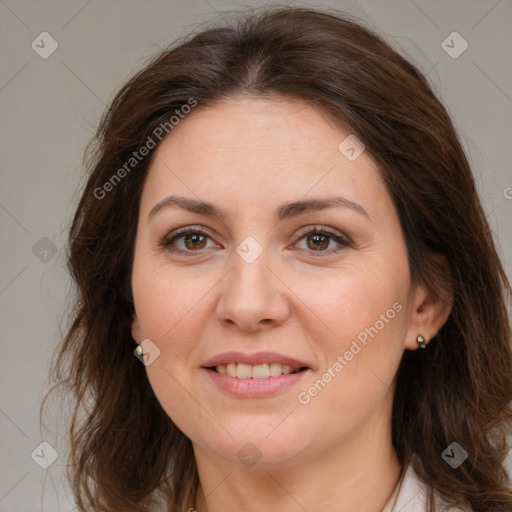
(181, 403)
(166, 299)
(167, 311)
(362, 344)
(357, 300)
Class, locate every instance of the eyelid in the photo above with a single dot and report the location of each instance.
(311, 228)
(192, 228)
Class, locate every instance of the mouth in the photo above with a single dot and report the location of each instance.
(260, 380)
(258, 371)
(255, 375)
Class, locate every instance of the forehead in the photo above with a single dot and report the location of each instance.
(264, 124)
(253, 149)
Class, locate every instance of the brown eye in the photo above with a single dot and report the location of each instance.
(318, 242)
(319, 238)
(194, 240)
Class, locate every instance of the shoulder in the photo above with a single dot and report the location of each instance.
(413, 493)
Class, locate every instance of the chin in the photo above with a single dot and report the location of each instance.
(254, 447)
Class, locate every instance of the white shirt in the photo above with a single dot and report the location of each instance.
(410, 495)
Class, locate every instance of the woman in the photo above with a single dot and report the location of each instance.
(281, 221)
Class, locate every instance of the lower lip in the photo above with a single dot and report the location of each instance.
(254, 388)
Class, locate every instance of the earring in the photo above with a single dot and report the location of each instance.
(422, 342)
(139, 350)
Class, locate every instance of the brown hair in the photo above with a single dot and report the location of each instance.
(125, 450)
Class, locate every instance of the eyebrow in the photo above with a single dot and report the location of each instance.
(285, 211)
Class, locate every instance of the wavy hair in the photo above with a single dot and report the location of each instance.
(126, 453)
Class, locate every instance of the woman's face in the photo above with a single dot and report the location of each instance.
(254, 280)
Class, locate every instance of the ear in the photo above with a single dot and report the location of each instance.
(430, 307)
(136, 329)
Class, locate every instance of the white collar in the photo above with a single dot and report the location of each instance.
(411, 495)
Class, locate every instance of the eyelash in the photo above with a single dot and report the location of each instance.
(180, 233)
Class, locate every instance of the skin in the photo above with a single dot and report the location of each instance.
(249, 156)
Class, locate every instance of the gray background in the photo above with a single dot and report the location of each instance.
(50, 107)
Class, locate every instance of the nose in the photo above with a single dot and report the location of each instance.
(253, 296)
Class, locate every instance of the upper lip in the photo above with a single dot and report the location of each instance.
(254, 359)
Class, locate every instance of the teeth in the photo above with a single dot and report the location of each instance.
(231, 369)
(243, 371)
(258, 371)
(277, 369)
